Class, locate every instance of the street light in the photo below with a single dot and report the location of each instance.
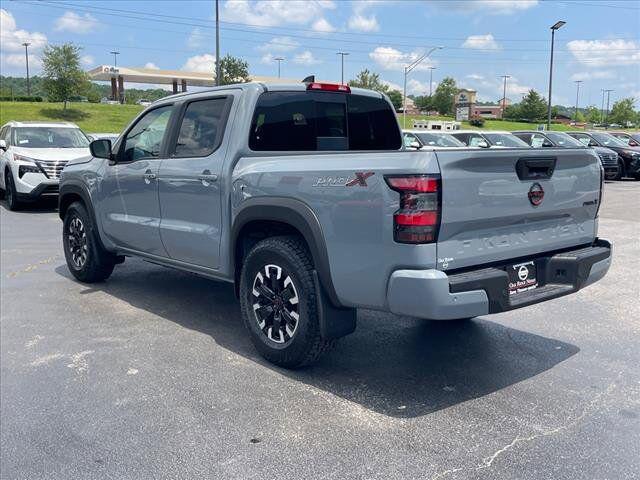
(279, 59)
(408, 69)
(606, 116)
(504, 94)
(342, 55)
(431, 69)
(554, 27)
(578, 82)
(26, 57)
(115, 58)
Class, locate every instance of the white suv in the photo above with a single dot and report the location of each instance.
(32, 156)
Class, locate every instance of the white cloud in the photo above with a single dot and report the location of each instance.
(13, 38)
(279, 44)
(72, 22)
(268, 59)
(481, 42)
(593, 75)
(389, 58)
(195, 39)
(305, 58)
(151, 66)
(87, 60)
(272, 13)
(599, 53)
(475, 76)
(361, 20)
(489, 7)
(17, 60)
(322, 25)
(391, 85)
(205, 63)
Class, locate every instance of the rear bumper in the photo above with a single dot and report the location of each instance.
(435, 295)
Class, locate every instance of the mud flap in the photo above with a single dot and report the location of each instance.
(334, 322)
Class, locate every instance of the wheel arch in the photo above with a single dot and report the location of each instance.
(284, 216)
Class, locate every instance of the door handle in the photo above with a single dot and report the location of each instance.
(148, 176)
(207, 178)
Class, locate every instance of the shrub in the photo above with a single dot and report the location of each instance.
(476, 122)
(21, 98)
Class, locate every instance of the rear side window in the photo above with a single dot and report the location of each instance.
(201, 128)
(311, 121)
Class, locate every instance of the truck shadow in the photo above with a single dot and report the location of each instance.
(396, 366)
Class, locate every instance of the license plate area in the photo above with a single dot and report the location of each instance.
(522, 277)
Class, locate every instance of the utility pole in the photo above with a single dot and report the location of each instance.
(554, 27)
(26, 57)
(431, 69)
(578, 82)
(342, 55)
(606, 116)
(504, 93)
(602, 106)
(217, 45)
(407, 69)
(115, 58)
(279, 59)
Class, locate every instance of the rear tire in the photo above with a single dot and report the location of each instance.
(278, 302)
(86, 259)
(10, 193)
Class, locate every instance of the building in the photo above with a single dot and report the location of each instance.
(487, 111)
(444, 125)
(411, 107)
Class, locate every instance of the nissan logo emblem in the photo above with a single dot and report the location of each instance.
(536, 194)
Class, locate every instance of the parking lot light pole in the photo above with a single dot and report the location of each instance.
(408, 69)
(431, 69)
(578, 82)
(26, 57)
(504, 93)
(606, 115)
(279, 59)
(342, 55)
(554, 27)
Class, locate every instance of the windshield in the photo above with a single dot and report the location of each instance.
(504, 140)
(564, 140)
(636, 136)
(50, 137)
(439, 139)
(608, 140)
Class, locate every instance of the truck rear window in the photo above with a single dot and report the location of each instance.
(312, 121)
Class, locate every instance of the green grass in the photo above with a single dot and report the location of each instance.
(489, 124)
(90, 117)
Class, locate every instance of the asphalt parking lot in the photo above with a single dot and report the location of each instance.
(151, 375)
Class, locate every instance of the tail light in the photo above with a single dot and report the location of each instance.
(328, 87)
(418, 218)
(601, 190)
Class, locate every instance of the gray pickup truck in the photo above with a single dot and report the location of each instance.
(302, 196)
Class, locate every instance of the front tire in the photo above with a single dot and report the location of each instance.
(86, 258)
(278, 302)
(10, 193)
(621, 170)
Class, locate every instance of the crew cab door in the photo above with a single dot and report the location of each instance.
(190, 182)
(129, 208)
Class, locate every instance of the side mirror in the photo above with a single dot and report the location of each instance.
(632, 143)
(483, 144)
(101, 148)
(547, 144)
(415, 145)
(593, 144)
(3, 145)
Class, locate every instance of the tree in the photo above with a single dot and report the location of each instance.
(593, 114)
(579, 117)
(623, 111)
(370, 80)
(443, 96)
(533, 106)
(424, 102)
(233, 70)
(63, 77)
(396, 98)
(512, 112)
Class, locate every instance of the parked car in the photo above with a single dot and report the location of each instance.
(144, 102)
(536, 139)
(630, 138)
(628, 157)
(416, 139)
(488, 139)
(32, 155)
(265, 187)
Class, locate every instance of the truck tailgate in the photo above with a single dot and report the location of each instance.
(489, 197)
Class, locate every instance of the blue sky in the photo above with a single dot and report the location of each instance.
(482, 39)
